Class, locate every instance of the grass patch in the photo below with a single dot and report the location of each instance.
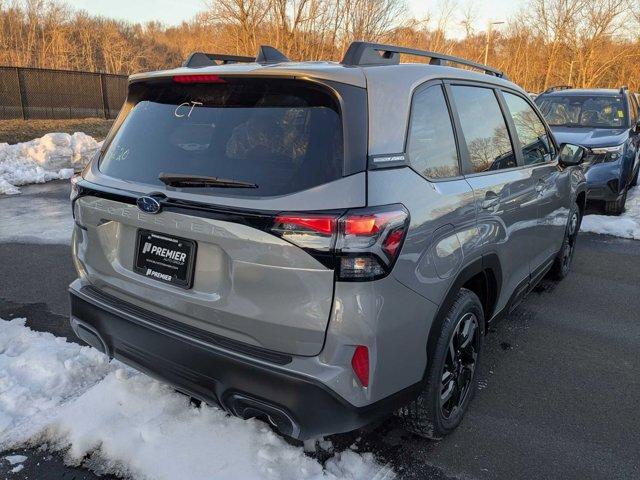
(16, 131)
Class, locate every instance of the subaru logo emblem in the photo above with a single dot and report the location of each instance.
(148, 204)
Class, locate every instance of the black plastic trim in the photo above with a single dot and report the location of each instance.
(213, 375)
(202, 59)
(363, 54)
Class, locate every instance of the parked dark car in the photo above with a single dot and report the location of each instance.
(606, 122)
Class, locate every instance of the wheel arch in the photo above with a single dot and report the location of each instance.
(581, 200)
(482, 276)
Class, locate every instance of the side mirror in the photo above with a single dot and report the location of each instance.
(571, 155)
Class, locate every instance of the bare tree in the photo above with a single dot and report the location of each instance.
(243, 16)
(548, 42)
(553, 21)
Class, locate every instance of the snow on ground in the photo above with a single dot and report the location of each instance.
(42, 214)
(53, 156)
(15, 459)
(626, 225)
(70, 398)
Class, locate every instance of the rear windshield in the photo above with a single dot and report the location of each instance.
(281, 135)
(583, 111)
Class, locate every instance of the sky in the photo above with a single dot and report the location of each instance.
(173, 12)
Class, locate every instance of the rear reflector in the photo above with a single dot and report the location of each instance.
(198, 79)
(360, 364)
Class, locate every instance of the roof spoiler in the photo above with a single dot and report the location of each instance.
(266, 54)
(363, 54)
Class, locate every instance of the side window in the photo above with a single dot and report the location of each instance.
(431, 146)
(484, 128)
(534, 141)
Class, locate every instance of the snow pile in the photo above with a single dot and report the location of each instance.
(39, 372)
(16, 461)
(626, 225)
(51, 157)
(68, 397)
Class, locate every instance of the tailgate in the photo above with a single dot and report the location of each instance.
(247, 284)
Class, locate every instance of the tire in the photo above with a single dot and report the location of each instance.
(451, 371)
(562, 263)
(617, 206)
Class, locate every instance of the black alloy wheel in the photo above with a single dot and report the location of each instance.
(460, 365)
(569, 246)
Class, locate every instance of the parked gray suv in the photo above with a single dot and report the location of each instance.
(320, 244)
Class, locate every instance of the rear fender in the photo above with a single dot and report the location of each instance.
(489, 265)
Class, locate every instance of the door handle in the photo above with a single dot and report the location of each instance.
(491, 200)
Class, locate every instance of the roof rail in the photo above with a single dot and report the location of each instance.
(557, 88)
(201, 59)
(370, 54)
(269, 54)
(266, 54)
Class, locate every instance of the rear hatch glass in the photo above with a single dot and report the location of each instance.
(280, 135)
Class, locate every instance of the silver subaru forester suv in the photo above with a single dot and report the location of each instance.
(320, 244)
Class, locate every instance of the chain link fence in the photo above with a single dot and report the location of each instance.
(30, 93)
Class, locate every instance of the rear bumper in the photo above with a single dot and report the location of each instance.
(297, 405)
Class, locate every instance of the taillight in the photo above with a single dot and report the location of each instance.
(360, 364)
(74, 193)
(75, 189)
(316, 232)
(200, 78)
(364, 243)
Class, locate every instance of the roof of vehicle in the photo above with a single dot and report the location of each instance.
(333, 71)
(390, 86)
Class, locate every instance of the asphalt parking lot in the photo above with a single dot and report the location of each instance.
(559, 385)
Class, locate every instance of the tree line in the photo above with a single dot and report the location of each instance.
(585, 43)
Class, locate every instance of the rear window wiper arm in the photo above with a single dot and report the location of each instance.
(198, 181)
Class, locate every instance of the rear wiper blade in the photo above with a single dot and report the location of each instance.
(198, 181)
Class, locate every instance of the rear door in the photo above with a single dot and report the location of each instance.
(209, 258)
(504, 192)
